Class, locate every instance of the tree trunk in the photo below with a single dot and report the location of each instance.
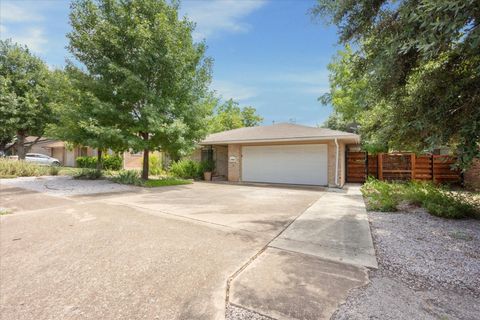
(99, 159)
(146, 152)
(145, 164)
(20, 146)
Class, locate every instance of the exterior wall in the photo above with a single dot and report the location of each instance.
(135, 160)
(472, 176)
(59, 154)
(197, 155)
(38, 148)
(234, 167)
(221, 160)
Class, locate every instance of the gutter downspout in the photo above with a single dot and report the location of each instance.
(336, 163)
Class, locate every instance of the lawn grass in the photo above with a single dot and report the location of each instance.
(437, 200)
(163, 182)
(132, 177)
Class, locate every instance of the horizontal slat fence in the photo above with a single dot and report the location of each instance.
(401, 167)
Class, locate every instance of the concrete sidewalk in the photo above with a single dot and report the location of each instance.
(334, 228)
(308, 270)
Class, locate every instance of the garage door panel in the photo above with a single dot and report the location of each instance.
(296, 164)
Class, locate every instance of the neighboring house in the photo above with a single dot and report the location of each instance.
(134, 160)
(60, 150)
(280, 153)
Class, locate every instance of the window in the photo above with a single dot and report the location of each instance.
(207, 154)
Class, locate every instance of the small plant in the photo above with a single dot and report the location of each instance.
(208, 165)
(437, 200)
(381, 196)
(186, 169)
(128, 177)
(133, 177)
(4, 211)
(54, 170)
(155, 165)
(88, 174)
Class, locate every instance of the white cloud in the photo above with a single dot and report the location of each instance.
(33, 38)
(235, 91)
(213, 17)
(21, 22)
(10, 12)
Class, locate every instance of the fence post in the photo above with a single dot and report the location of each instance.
(412, 164)
(432, 168)
(380, 166)
(366, 165)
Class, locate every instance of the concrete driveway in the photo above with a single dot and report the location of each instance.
(162, 254)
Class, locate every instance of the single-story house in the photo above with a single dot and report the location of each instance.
(279, 153)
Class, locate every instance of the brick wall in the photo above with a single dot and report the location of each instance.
(472, 175)
(234, 168)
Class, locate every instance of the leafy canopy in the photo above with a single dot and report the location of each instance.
(146, 68)
(24, 100)
(229, 115)
(410, 72)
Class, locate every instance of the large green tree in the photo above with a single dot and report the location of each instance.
(412, 80)
(148, 68)
(24, 103)
(229, 115)
(81, 118)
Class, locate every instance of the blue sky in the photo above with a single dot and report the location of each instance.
(268, 54)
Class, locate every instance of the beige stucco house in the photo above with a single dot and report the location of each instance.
(280, 153)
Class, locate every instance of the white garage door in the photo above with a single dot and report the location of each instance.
(296, 164)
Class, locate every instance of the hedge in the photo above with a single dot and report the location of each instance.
(108, 162)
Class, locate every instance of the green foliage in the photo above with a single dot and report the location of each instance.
(155, 165)
(164, 182)
(133, 177)
(207, 166)
(128, 177)
(24, 101)
(186, 169)
(437, 200)
(148, 75)
(54, 170)
(412, 81)
(381, 196)
(88, 174)
(15, 168)
(109, 162)
(230, 115)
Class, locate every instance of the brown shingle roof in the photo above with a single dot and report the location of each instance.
(277, 132)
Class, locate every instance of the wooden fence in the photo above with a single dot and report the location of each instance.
(401, 166)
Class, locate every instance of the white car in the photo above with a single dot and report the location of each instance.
(42, 159)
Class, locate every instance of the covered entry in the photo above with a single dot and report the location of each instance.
(293, 164)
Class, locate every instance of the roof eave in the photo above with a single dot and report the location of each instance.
(224, 142)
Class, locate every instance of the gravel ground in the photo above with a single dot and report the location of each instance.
(65, 185)
(237, 313)
(429, 268)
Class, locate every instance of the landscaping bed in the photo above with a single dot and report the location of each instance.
(429, 268)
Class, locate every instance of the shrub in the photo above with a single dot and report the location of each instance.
(128, 177)
(88, 174)
(109, 162)
(208, 166)
(186, 169)
(54, 170)
(381, 196)
(437, 200)
(10, 168)
(155, 165)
